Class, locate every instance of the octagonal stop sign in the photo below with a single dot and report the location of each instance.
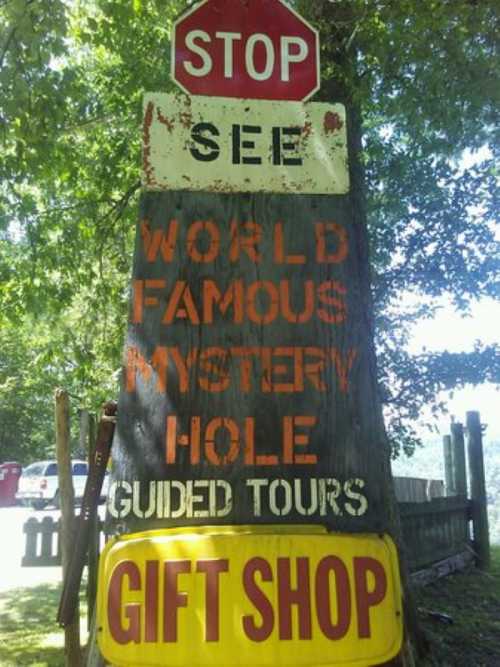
(260, 49)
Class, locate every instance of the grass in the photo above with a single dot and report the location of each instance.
(472, 600)
(29, 635)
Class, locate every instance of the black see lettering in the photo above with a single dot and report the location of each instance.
(238, 144)
(207, 143)
(280, 146)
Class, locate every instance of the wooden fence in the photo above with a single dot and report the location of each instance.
(434, 529)
(417, 490)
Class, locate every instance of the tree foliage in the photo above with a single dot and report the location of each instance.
(72, 78)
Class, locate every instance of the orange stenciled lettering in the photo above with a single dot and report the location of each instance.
(181, 305)
(325, 229)
(280, 255)
(140, 299)
(233, 431)
(153, 242)
(286, 308)
(271, 296)
(234, 297)
(183, 365)
(246, 356)
(314, 370)
(214, 361)
(261, 302)
(136, 363)
(337, 302)
(194, 232)
(343, 367)
(173, 439)
(247, 244)
(291, 439)
(278, 370)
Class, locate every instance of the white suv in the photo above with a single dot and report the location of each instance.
(39, 483)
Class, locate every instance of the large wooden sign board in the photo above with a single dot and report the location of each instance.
(249, 430)
(248, 390)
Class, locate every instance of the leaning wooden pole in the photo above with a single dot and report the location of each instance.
(72, 651)
(94, 533)
(478, 490)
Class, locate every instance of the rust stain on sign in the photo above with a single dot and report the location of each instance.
(233, 145)
(332, 122)
(146, 144)
(169, 124)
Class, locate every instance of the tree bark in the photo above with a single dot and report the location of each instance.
(338, 25)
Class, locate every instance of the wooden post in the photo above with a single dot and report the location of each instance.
(93, 561)
(67, 503)
(458, 457)
(84, 431)
(448, 466)
(478, 490)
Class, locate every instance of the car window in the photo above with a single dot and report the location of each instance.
(51, 470)
(34, 470)
(79, 468)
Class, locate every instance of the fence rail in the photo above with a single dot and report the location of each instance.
(435, 530)
(416, 489)
(432, 531)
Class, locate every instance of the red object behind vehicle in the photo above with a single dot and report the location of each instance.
(9, 476)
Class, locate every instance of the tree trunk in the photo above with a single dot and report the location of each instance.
(250, 358)
(338, 25)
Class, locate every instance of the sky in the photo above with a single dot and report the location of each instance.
(455, 333)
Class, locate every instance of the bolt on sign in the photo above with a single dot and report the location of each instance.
(249, 392)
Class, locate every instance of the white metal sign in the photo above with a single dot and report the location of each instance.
(232, 145)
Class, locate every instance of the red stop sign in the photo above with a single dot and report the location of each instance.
(259, 49)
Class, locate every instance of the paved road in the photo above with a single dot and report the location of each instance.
(12, 575)
(12, 539)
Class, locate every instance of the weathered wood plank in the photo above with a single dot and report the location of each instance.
(233, 376)
(443, 568)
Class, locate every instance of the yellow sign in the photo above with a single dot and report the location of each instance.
(249, 596)
(232, 145)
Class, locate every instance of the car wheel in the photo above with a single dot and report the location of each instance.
(39, 504)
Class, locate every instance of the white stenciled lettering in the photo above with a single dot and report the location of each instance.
(360, 503)
(172, 499)
(308, 497)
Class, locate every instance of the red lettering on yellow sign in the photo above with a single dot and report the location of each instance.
(318, 589)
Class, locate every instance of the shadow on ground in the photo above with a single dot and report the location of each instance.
(29, 634)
